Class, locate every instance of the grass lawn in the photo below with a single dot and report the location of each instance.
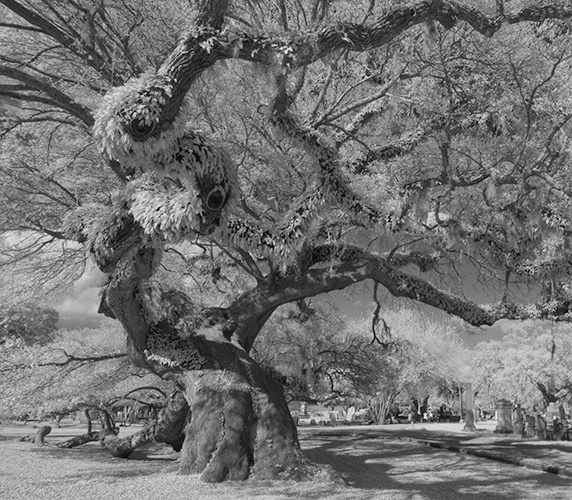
(374, 469)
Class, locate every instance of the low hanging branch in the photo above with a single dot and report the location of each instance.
(358, 265)
(70, 358)
(376, 319)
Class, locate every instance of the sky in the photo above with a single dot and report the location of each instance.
(357, 302)
(79, 308)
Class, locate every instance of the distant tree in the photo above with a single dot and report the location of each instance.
(325, 358)
(530, 365)
(291, 346)
(27, 324)
(77, 369)
(412, 358)
(414, 144)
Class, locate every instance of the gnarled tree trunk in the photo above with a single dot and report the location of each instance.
(79, 440)
(241, 426)
(123, 447)
(171, 426)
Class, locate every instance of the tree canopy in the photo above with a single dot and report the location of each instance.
(278, 151)
(529, 366)
(434, 146)
(26, 323)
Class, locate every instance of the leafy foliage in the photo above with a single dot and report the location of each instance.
(77, 369)
(325, 358)
(27, 324)
(419, 145)
(437, 129)
(530, 365)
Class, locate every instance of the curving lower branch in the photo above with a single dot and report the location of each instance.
(355, 265)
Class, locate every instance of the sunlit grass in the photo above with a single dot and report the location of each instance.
(375, 468)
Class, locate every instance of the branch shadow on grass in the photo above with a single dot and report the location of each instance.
(367, 463)
(145, 461)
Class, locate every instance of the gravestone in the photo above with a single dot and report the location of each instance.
(564, 429)
(470, 410)
(517, 422)
(530, 426)
(41, 434)
(504, 420)
(541, 431)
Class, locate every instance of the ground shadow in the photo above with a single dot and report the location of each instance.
(381, 464)
(146, 460)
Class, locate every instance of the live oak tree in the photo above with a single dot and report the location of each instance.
(530, 365)
(347, 142)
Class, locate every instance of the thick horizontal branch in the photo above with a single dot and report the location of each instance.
(303, 49)
(328, 253)
(360, 266)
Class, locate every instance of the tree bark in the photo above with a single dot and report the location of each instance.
(241, 426)
(171, 426)
(107, 424)
(41, 434)
(170, 430)
(79, 440)
(383, 408)
(123, 447)
(89, 424)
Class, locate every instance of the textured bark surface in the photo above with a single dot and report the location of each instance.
(79, 440)
(41, 434)
(171, 426)
(123, 447)
(241, 426)
(170, 429)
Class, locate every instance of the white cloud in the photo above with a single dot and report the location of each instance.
(79, 308)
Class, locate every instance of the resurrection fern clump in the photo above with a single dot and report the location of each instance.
(182, 181)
